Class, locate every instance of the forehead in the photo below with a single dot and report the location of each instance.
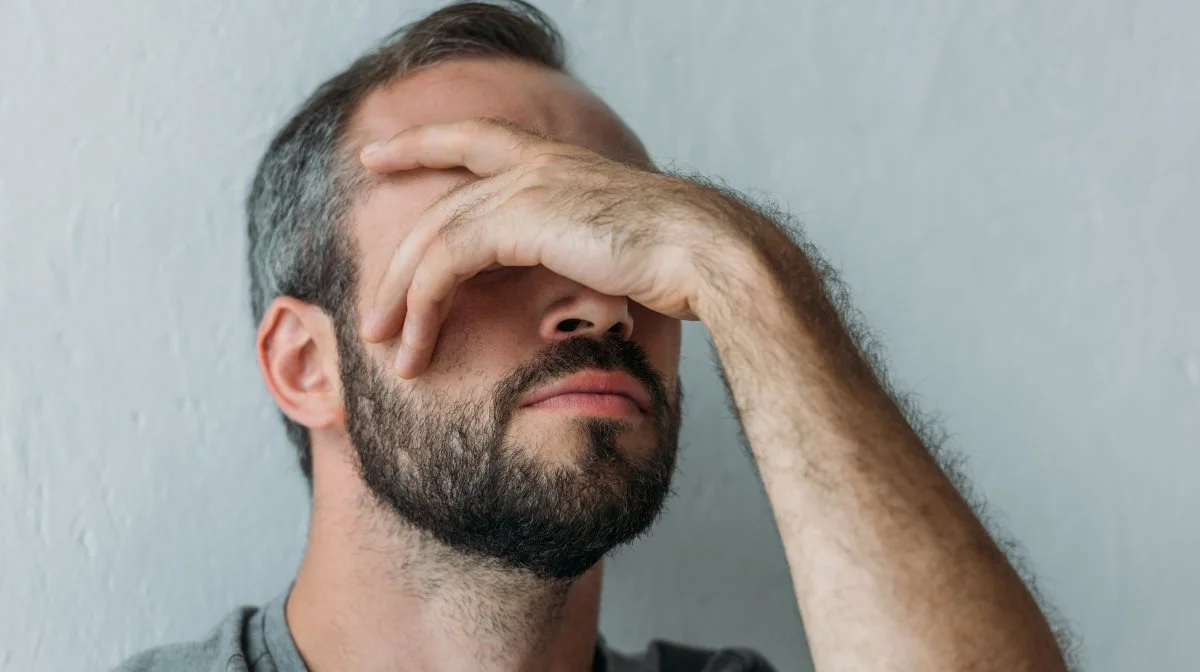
(545, 101)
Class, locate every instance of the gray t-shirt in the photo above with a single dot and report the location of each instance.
(257, 639)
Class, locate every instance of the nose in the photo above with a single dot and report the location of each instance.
(587, 312)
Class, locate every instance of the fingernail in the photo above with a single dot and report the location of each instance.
(373, 147)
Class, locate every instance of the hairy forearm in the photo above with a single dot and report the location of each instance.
(892, 570)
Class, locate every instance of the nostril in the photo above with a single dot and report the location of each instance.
(569, 325)
(617, 328)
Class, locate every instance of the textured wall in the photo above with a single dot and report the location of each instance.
(1010, 190)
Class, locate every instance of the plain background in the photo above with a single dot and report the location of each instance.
(1010, 189)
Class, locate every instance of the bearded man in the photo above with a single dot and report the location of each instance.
(469, 280)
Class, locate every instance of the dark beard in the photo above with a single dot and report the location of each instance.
(446, 467)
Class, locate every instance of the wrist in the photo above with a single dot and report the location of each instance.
(740, 266)
(732, 280)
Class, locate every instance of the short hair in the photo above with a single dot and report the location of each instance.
(308, 178)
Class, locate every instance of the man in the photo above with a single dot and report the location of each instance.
(469, 281)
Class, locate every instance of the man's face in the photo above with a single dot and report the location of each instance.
(455, 452)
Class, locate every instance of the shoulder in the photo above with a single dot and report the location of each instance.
(226, 648)
(663, 656)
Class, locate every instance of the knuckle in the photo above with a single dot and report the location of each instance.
(529, 194)
(529, 176)
(543, 161)
(418, 292)
(459, 218)
(492, 125)
(480, 124)
(545, 168)
(458, 236)
(453, 231)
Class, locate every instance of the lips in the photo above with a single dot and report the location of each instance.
(594, 382)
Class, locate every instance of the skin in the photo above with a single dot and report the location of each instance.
(359, 571)
(890, 567)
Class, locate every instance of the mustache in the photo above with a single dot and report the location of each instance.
(563, 358)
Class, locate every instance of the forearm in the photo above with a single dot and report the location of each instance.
(891, 568)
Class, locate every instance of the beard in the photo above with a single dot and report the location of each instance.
(449, 466)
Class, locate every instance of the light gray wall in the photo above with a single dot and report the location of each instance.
(1010, 188)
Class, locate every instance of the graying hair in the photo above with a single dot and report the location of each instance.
(308, 178)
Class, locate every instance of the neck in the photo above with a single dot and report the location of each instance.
(376, 594)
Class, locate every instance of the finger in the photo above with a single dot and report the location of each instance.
(411, 362)
(483, 146)
(435, 283)
(450, 261)
(387, 310)
(388, 307)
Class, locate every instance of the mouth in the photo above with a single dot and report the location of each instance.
(603, 393)
(608, 405)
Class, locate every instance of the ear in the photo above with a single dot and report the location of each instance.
(297, 355)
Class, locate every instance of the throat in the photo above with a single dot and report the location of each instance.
(384, 596)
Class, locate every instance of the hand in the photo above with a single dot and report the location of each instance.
(609, 226)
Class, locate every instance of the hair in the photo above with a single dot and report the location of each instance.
(308, 178)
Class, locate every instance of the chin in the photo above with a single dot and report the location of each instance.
(575, 440)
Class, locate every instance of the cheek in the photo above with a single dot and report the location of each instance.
(383, 220)
(480, 338)
(660, 336)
